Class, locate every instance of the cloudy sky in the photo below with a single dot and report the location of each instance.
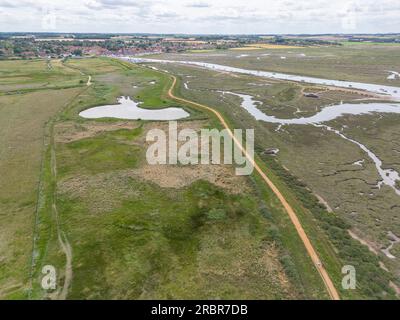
(201, 16)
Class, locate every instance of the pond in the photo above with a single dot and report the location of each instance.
(129, 110)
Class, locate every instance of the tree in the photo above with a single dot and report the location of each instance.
(17, 50)
(77, 52)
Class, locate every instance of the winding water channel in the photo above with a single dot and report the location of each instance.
(390, 177)
(394, 92)
(326, 114)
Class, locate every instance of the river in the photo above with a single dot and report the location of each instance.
(389, 177)
(394, 92)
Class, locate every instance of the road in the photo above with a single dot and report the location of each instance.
(293, 216)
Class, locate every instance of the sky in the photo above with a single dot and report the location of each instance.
(201, 16)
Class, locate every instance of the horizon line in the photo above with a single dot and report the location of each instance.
(205, 34)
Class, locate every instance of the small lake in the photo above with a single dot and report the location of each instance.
(128, 109)
(393, 75)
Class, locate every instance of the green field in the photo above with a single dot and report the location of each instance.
(22, 124)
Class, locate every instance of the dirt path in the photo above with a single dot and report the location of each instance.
(89, 82)
(66, 248)
(63, 241)
(62, 238)
(293, 217)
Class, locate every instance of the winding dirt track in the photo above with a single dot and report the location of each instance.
(62, 238)
(293, 217)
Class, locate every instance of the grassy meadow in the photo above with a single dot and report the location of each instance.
(145, 232)
(130, 238)
(23, 117)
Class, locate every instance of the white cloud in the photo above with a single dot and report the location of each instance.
(204, 16)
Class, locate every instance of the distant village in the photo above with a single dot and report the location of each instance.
(61, 46)
(50, 45)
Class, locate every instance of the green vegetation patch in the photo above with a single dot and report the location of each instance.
(98, 154)
(159, 244)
